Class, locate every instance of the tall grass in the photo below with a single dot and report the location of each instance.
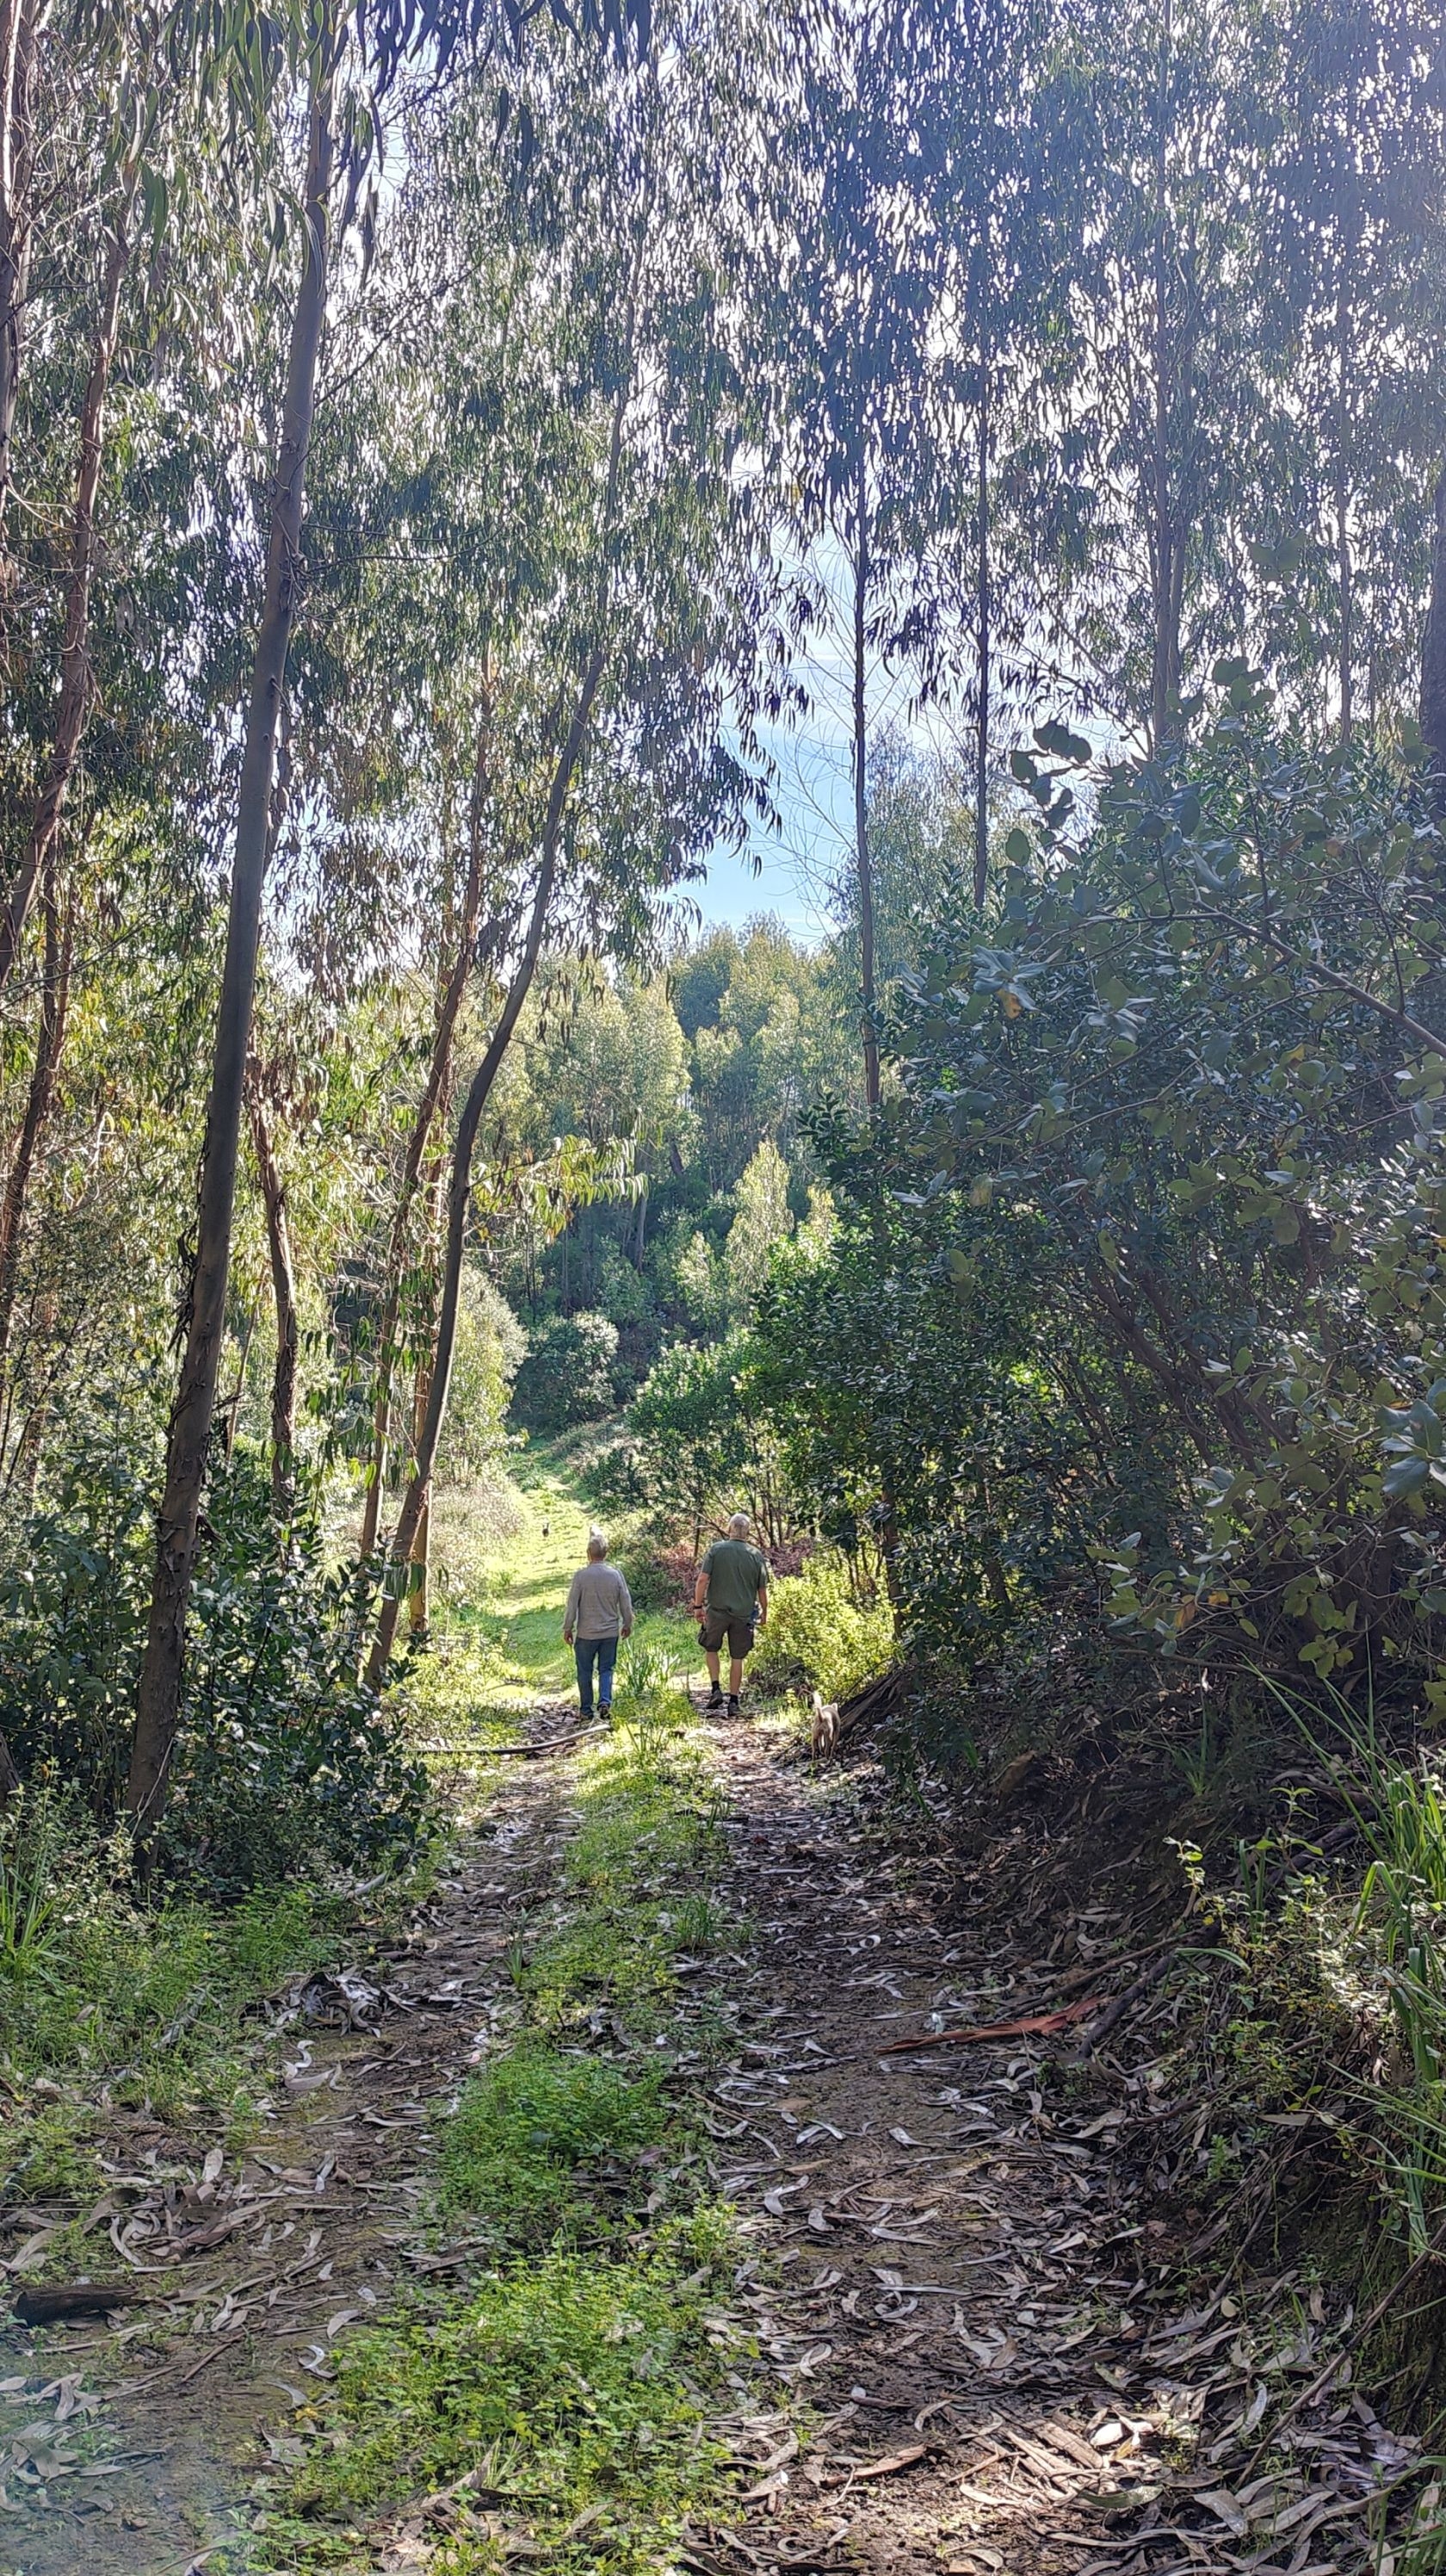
(1398, 1802)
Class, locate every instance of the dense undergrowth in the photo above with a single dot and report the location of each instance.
(561, 2403)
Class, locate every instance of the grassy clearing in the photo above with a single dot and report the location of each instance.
(560, 2405)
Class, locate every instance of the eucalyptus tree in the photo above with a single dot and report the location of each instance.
(347, 62)
(614, 634)
(856, 276)
(1351, 372)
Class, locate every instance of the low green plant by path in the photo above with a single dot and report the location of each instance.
(532, 2129)
(562, 2402)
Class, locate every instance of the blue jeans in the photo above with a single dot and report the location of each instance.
(605, 1651)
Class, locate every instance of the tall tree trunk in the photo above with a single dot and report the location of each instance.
(861, 777)
(459, 1192)
(420, 1562)
(158, 1707)
(1345, 570)
(283, 1289)
(1164, 572)
(981, 746)
(20, 22)
(75, 688)
(437, 1085)
(1433, 653)
(49, 1042)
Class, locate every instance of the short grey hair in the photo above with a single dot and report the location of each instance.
(739, 1525)
(597, 1545)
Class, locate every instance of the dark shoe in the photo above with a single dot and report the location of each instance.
(605, 1712)
(714, 1701)
(586, 1715)
(732, 1704)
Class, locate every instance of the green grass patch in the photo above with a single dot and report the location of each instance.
(573, 2392)
(527, 2130)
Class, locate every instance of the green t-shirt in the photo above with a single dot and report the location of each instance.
(734, 1572)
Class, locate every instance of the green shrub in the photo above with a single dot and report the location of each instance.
(512, 2148)
(821, 1634)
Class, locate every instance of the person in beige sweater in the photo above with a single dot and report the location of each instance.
(599, 1613)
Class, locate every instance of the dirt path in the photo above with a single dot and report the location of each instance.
(972, 2352)
(134, 2449)
(962, 2280)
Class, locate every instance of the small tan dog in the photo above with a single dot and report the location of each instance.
(825, 1724)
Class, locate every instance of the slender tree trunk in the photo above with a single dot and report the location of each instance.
(75, 677)
(1345, 571)
(981, 748)
(158, 1708)
(49, 1042)
(459, 1192)
(283, 1289)
(1433, 652)
(419, 1564)
(437, 1084)
(861, 779)
(1164, 570)
(20, 22)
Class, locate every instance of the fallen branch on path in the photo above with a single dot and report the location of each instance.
(1117, 2010)
(1027, 2028)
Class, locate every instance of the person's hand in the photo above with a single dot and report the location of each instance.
(567, 1636)
(762, 1619)
(628, 1630)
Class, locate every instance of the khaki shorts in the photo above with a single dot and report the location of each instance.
(717, 1625)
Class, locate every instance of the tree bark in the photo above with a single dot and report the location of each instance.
(19, 27)
(981, 746)
(283, 1289)
(459, 1192)
(158, 1707)
(1165, 571)
(75, 675)
(861, 781)
(420, 1562)
(438, 1079)
(49, 1042)
(1433, 652)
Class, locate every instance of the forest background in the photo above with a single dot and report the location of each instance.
(445, 459)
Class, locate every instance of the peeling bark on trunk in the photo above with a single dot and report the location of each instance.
(75, 679)
(283, 1289)
(159, 1702)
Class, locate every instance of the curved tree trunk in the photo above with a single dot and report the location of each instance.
(75, 678)
(49, 1042)
(158, 1706)
(437, 1083)
(283, 1289)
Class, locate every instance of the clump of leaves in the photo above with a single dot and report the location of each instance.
(513, 2148)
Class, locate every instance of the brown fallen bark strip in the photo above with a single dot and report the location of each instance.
(36, 2307)
(1025, 2028)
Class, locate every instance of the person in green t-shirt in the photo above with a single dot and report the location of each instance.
(731, 1600)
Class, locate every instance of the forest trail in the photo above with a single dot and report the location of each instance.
(957, 2333)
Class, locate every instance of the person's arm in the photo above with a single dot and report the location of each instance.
(700, 1588)
(569, 1616)
(626, 1605)
(763, 1599)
